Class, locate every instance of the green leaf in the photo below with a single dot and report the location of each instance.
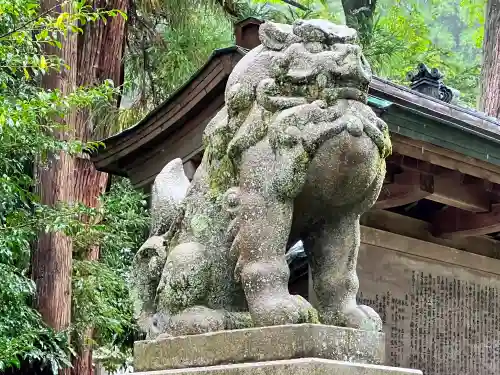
(43, 62)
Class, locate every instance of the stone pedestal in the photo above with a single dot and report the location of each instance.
(303, 349)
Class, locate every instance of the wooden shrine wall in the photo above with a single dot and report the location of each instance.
(440, 306)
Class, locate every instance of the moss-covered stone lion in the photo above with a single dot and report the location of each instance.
(296, 154)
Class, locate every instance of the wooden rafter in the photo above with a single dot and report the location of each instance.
(452, 221)
(441, 157)
(404, 189)
(450, 190)
(421, 179)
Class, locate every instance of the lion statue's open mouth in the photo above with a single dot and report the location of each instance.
(296, 154)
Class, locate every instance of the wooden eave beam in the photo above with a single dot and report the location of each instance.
(170, 114)
(441, 157)
(449, 190)
(404, 189)
(452, 221)
(446, 188)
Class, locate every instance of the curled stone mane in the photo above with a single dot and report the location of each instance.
(295, 154)
(312, 64)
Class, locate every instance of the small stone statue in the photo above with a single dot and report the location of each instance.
(296, 154)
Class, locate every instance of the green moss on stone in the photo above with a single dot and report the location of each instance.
(311, 316)
(223, 175)
(252, 133)
(387, 150)
(186, 289)
(291, 177)
(238, 320)
(200, 224)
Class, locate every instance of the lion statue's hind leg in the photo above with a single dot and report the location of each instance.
(333, 249)
(333, 204)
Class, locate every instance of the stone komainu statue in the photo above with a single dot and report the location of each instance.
(296, 154)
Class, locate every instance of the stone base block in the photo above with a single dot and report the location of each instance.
(303, 366)
(261, 345)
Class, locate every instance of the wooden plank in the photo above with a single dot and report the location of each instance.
(446, 188)
(177, 146)
(185, 107)
(424, 249)
(398, 195)
(452, 221)
(405, 189)
(410, 227)
(408, 163)
(450, 190)
(180, 144)
(445, 158)
(165, 111)
(172, 125)
(209, 78)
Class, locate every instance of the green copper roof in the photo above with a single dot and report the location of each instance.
(378, 103)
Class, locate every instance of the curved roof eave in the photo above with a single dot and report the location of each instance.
(216, 53)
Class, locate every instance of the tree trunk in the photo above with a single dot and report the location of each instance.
(490, 75)
(52, 258)
(359, 15)
(94, 56)
(100, 53)
(83, 363)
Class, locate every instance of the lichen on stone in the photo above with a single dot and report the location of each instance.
(224, 174)
(296, 153)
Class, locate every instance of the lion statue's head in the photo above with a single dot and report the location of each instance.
(311, 72)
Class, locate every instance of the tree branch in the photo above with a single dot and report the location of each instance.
(296, 5)
(23, 25)
(229, 7)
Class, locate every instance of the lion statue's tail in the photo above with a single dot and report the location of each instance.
(168, 192)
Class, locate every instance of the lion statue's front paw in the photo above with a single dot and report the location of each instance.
(286, 309)
(363, 317)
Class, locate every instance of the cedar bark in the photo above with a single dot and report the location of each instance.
(359, 16)
(52, 258)
(490, 74)
(100, 54)
(94, 56)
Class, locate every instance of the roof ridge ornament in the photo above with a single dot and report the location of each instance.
(429, 82)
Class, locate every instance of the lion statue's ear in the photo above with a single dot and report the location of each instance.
(277, 36)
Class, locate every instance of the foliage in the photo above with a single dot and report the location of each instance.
(162, 56)
(443, 34)
(21, 332)
(30, 119)
(167, 47)
(100, 294)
